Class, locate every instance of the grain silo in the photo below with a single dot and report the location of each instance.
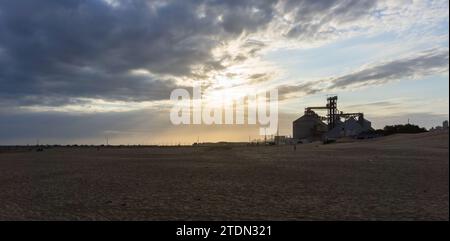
(310, 126)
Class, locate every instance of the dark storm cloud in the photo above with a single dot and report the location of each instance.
(52, 51)
(429, 62)
(87, 48)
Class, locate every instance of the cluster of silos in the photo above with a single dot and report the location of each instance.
(311, 126)
(350, 127)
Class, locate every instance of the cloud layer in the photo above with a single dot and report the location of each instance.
(430, 62)
(60, 49)
(52, 52)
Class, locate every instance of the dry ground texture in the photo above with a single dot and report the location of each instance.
(400, 177)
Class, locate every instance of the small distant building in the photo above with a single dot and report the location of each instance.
(441, 128)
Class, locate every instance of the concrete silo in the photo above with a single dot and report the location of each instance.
(309, 126)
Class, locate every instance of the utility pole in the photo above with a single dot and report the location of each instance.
(265, 137)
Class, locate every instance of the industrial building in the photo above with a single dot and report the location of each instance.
(311, 126)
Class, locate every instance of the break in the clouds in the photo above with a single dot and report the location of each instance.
(85, 55)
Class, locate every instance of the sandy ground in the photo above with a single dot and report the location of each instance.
(401, 177)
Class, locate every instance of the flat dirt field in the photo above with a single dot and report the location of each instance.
(400, 177)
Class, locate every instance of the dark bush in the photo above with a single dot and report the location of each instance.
(408, 128)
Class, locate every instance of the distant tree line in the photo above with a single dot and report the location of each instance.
(398, 129)
(408, 128)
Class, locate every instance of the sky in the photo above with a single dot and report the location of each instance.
(81, 71)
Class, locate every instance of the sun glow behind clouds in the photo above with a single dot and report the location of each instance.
(241, 57)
